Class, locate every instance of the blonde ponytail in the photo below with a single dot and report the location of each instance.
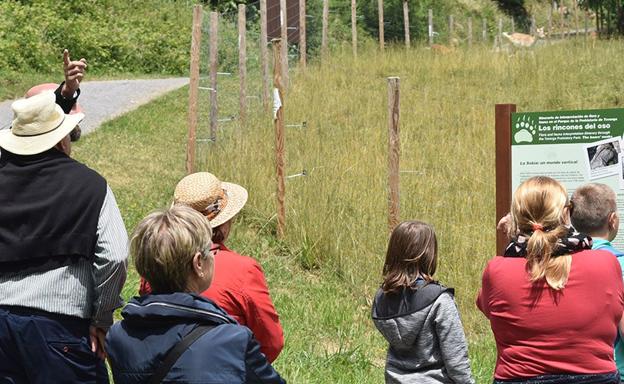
(540, 261)
(538, 212)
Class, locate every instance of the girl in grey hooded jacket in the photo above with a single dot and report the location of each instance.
(417, 316)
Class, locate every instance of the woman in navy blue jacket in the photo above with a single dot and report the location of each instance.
(172, 251)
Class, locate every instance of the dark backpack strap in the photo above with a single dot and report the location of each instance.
(175, 353)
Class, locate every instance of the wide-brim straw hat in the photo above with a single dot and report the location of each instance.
(38, 125)
(217, 200)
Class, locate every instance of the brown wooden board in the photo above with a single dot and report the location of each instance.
(273, 20)
(503, 168)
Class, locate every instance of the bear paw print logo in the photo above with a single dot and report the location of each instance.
(525, 130)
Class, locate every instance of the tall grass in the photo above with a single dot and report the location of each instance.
(337, 214)
(324, 274)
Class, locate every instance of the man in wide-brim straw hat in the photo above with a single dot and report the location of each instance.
(68, 91)
(63, 250)
(239, 285)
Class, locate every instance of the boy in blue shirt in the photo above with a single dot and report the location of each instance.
(594, 212)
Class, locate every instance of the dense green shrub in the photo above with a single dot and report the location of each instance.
(114, 35)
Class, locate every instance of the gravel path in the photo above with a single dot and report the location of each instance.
(105, 100)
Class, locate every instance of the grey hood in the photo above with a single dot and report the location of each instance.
(427, 341)
(400, 317)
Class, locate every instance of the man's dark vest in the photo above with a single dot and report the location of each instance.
(49, 211)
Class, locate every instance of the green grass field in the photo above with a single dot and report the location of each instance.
(324, 273)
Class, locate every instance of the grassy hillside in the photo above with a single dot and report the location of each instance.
(324, 274)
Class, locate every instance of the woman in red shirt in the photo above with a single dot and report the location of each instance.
(238, 285)
(554, 304)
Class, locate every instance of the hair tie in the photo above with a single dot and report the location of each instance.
(537, 227)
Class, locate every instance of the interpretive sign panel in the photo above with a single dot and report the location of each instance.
(574, 147)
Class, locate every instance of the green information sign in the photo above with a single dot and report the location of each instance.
(574, 147)
(563, 127)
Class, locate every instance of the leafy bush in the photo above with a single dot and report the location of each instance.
(114, 35)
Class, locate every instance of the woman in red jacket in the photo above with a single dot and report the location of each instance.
(553, 303)
(238, 286)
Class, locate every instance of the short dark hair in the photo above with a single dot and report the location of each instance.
(218, 237)
(412, 251)
(591, 206)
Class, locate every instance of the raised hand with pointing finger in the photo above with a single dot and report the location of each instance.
(74, 73)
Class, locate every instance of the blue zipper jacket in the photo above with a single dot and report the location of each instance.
(619, 344)
(153, 324)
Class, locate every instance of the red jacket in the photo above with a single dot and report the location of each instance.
(239, 287)
(541, 331)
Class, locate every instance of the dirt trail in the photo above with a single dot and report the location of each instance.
(105, 100)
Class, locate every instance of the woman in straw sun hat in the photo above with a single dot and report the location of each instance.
(239, 285)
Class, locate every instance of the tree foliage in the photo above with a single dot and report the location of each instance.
(609, 15)
(418, 17)
(517, 10)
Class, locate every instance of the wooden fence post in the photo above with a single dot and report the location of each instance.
(194, 88)
(324, 36)
(284, 44)
(470, 31)
(576, 19)
(406, 24)
(586, 24)
(533, 29)
(214, 53)
(450, 29)
(484, 31)
(242, 63)
(503, 167)
(430, 25)
(513, 25)
(561, 24)
(500, 32)
(264, 55)
(380, 9)
(303, 54)
(354, 27)
(394, 151)
(278, 116)
(549, 33)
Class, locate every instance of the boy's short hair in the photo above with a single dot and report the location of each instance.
(592, 204)
(164, 243)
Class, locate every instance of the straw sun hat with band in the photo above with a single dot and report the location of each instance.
(218, 201)
(38, 125)
(37, 89)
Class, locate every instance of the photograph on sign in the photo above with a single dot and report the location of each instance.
(602, 158)
(621, 172)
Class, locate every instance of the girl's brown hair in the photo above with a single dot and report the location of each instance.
(412, 251)
(538, 210)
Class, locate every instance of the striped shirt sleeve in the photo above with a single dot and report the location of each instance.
(110, 264)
